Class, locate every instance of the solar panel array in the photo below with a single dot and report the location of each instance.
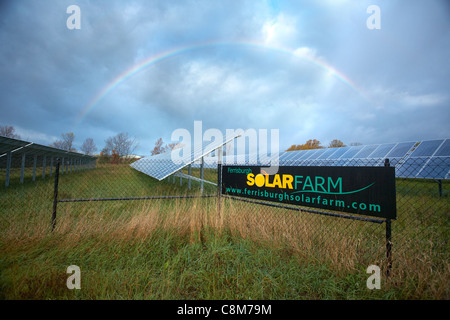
(428, 159)
(348, 156)
(18, 147)
(20, 154)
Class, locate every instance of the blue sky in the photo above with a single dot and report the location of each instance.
(311, 69)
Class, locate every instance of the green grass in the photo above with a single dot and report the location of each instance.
(168, 267)
(187, 249)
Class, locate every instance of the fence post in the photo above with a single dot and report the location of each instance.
(8, 168)
(388, 247)
(44, 165)
(55, 194)
(201, 175)
(189, 179)
(34, 166)
(22, 168)
(219, 179)
(388, 237)
(440, 188)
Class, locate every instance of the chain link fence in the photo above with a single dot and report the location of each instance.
(415, 245)
(116, 192)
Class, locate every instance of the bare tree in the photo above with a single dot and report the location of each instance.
(58, 144)
(8, 132)
(66, 143)
(88, 146)
(121, 144)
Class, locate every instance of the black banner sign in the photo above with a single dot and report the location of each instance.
(361, 190)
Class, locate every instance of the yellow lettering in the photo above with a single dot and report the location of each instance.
(250, 179)
(276, 181)
(259, 180)
(268, 184)
(287, 181)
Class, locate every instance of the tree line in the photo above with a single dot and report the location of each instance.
(116, 147)
(122, 145)
(316, 144)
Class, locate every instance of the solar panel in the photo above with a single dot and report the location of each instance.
(268, 159)
(365, 152)
(18, 147)
(339, 152)
(305, 154)
(301, 154)
(351, 152)
(427, 148)
(17, 154)
(436, 168)
(400, 150)
(410, 167)
(317, 154)
(288, 155)
(327, 153)
(424, 162)
(7, 145)
(444, 149)
(382, 150)
(161, 166)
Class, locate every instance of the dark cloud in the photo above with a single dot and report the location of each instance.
(311, 69)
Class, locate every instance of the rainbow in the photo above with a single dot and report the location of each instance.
(142, 65)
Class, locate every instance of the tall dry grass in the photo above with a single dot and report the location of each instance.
(345, 247)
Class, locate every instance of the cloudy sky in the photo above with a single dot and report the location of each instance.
(312, 69)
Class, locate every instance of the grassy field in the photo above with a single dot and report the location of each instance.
(189, 249)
